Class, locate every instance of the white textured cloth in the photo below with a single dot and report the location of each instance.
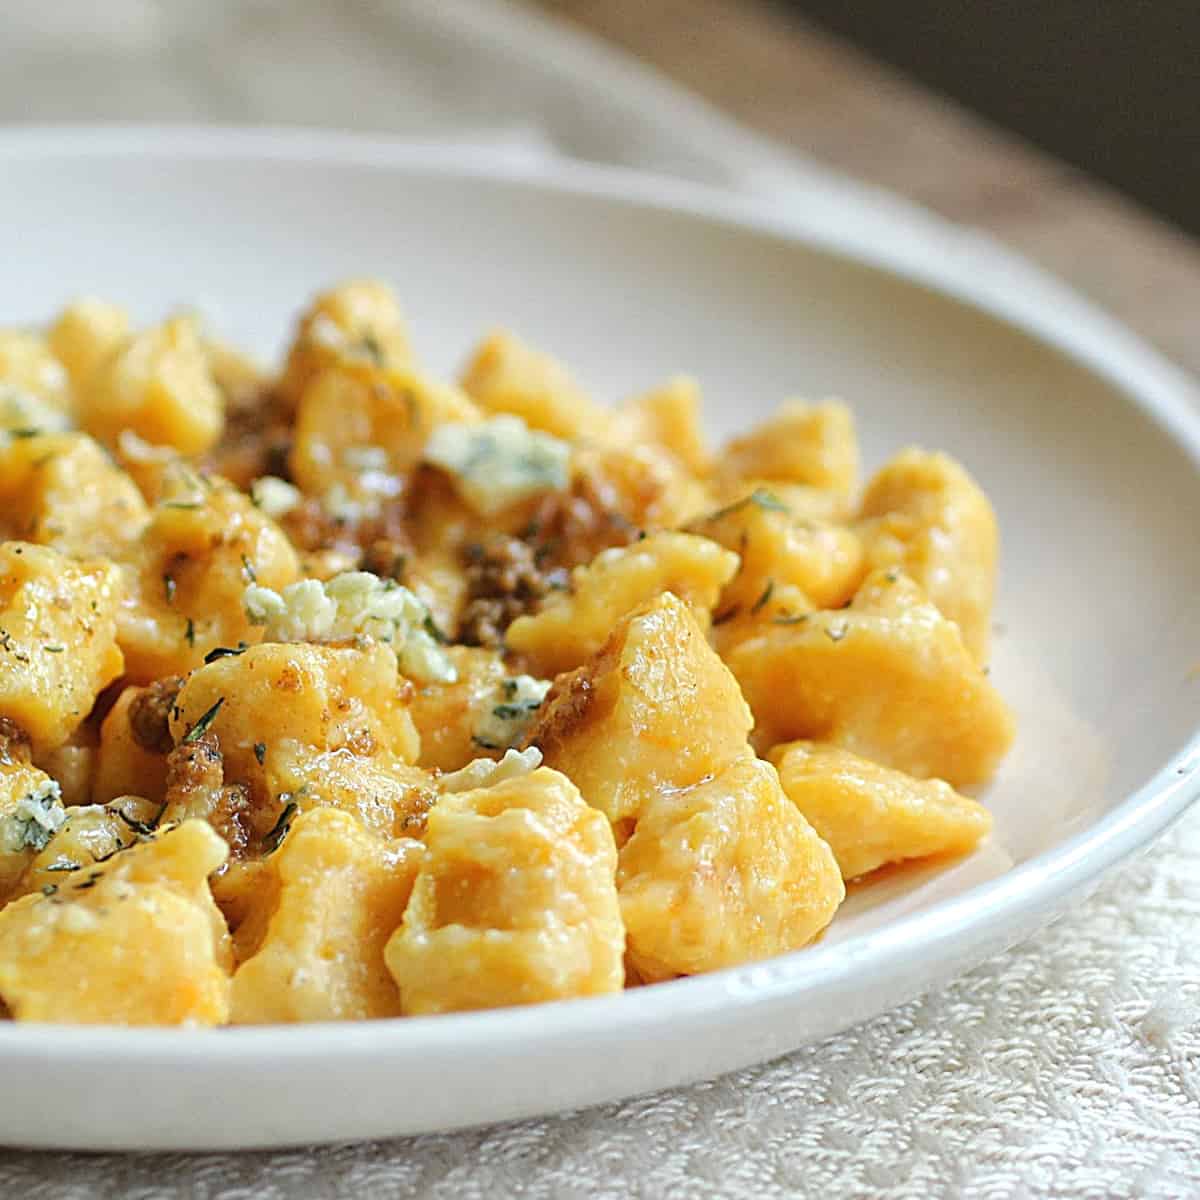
(1068, 1067)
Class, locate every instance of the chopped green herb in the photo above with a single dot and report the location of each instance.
(189, 634)
(24, 433)
(260, 752)
(142, 827)
(412, 408)
(48, 889)
(483, 742)
(766, 595)
(743, 543)
(225, 652)
(187, 505)
(760, 498)
(726, 614)
(373, 349)
(248, 570)
(280, 829)
(513, 712)
(789, 619)
(7, 644)
(201, 727)
(54, 649)
(431, 627)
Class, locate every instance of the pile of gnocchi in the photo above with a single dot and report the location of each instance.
(347, 692)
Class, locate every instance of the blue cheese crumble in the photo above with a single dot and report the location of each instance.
(274, 496)
(371, 481)
(25, 411)
(35, 819)
(510, 712)
(496, 463)
(355, 604)
(486, 772)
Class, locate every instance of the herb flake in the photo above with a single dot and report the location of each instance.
(201, 727)
(144, 828)
(760, 498)
(279, 830)
(761, 602)
(225, 652)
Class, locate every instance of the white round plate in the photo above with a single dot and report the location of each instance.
(1087, 443)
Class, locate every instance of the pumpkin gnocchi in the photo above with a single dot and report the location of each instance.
(348, 692)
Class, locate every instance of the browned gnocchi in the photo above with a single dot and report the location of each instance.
(348, 692)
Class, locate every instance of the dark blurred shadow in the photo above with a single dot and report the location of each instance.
(1112, 86)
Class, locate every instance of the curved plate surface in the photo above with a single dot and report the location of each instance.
(1086, 441)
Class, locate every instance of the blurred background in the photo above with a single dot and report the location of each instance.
(1109, 86)
(1066, 128)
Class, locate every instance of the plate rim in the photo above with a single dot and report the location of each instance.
(972, 269)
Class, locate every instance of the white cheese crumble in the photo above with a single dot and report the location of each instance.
(486, 772)
(25, 411)
(380, 483)
(341, 506)
(510, 711)
(365, 458)
(52, 376)
(276, 497)
(327, 332)
(135, 449)
(35, 819)
(350, 605)
(358, 498)
(499, 462)
(324, 331)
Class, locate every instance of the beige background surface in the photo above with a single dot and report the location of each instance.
(783, 78)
